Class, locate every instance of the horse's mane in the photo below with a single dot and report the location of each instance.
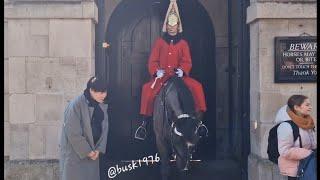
(184, 95)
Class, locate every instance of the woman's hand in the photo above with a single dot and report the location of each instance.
(91, 154)
(96, 155)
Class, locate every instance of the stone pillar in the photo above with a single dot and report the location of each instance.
(6, 92)
(268, 20)
(49, 56)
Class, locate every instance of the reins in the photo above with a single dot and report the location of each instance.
(166, 119)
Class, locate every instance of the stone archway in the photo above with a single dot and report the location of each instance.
(131, 35)
(129, 51)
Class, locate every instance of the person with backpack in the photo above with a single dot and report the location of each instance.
(293, 149)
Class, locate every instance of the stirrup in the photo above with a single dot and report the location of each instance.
(143, 129)
(205, 127)
(174, 156)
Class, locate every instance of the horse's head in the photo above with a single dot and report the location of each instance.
(179, 110)
(185, 137)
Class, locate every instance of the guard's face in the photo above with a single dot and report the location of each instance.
(98, 96)
(172, 30)
(305, 108)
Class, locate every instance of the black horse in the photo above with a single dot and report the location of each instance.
(175, 125)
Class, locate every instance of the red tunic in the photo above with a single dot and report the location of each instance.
(168, 57)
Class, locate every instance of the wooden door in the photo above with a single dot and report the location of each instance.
(128, 73)
(133, 28)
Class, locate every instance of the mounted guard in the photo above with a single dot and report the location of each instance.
(170, 56)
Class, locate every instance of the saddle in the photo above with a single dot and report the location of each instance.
(184, 94)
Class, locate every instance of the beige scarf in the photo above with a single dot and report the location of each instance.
(304, 122)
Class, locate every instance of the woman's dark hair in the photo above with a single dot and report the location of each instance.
(97, 84)
(296, 100)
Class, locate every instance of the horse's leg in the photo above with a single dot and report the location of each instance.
(164, 157)
(183, 175)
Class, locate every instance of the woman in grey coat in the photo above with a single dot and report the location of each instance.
(84, 133)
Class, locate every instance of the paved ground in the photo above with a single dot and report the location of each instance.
(213, 170)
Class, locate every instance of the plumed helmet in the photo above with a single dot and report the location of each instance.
(172, 16)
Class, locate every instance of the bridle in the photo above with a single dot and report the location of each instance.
(182, 116)
(173, 130)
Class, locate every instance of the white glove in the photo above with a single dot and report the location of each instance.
(160, 73)
(179, 72)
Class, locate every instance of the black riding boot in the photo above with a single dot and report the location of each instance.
(141, 132)
(199, 115)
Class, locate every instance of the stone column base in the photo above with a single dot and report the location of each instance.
(263, 169)
(31, 169)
